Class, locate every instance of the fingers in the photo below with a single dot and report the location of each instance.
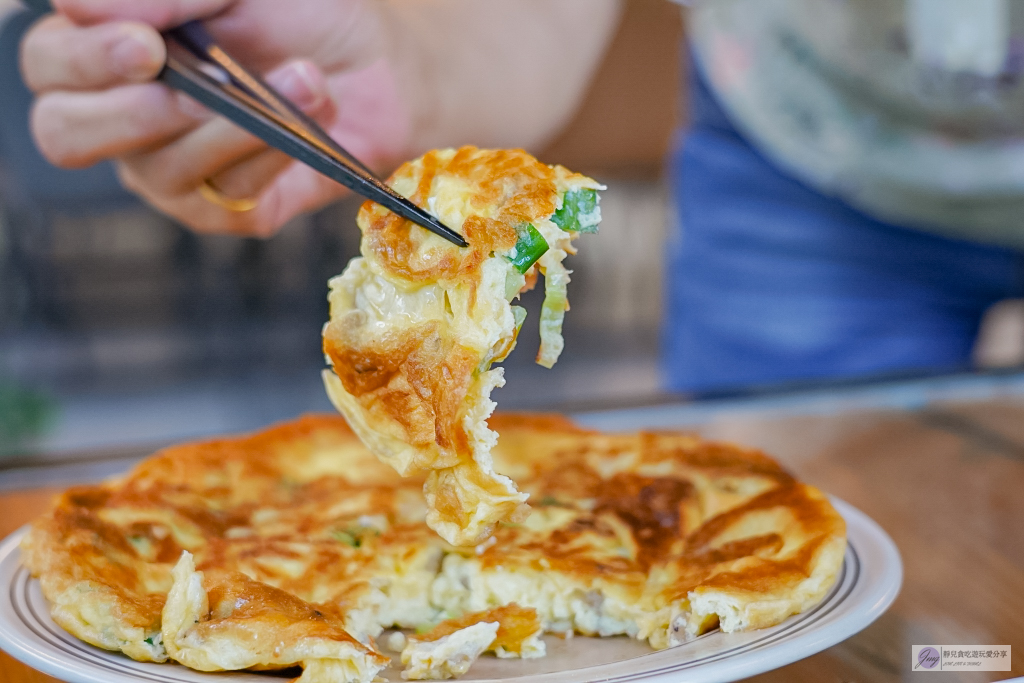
(77, 129)
(161, 14)
(219, 145)
(91, 65)
(95, 96)
(297, 190)
(57, 54)
(239, 165)
(182, 165)
(250, 177)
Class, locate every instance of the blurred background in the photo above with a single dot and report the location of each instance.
(118, 326)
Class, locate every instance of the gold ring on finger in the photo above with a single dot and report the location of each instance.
(212, 194)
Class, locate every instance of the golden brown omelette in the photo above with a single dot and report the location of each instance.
(297, 547)
(416, 323)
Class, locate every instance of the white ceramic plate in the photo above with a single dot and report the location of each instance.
(867, 585)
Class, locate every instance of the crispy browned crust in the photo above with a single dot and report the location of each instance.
(110, 548)
(71, 550)
(649, 521)
(509, 184)
(242, 621)
(417, 381)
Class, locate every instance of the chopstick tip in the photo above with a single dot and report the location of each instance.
(441, 230)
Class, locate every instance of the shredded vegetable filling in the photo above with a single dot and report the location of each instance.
(580, 212)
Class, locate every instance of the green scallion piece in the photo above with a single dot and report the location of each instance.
(530, 247)
(347, 538)
(579, 212)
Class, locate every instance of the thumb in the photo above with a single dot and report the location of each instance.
(160, 14)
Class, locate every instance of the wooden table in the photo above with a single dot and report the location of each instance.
(946, 481)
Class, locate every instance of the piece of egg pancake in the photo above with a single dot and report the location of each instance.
(451, 647)
(416, 322)
(225, 621)
(654, 536)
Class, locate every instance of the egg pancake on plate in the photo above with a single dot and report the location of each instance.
(416, 322)
(296, 546)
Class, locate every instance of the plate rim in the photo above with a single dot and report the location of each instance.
(878, 586)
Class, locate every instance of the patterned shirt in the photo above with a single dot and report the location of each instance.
(912, 110)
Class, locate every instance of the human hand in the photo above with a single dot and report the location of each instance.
(92, 65)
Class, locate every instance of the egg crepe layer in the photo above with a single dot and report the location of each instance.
(297, 547)
(416, 323)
